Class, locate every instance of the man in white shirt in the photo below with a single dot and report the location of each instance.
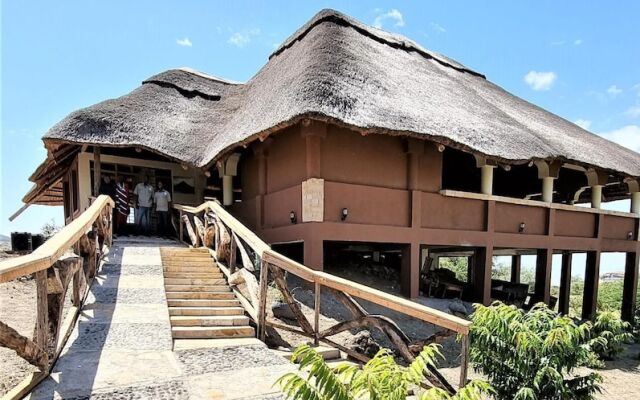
(143, 193)
(162, 201)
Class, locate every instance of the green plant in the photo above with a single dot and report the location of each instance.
(531, 355)
(380, 379)
(609, 332)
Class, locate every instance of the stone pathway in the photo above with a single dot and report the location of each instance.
(121, 347)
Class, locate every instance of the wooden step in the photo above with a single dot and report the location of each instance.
(201, 295)
(184, 251)
(197, 288)
(196, 332)
(202, 258)
(203, 303)
(214, 320)
(194, 275)
(194, 281)
(187, 263)
(203, 269)
(209, 311)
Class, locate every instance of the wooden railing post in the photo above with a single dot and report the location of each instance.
(232, 254)
(316, 315)
(181, 228)
(464, 360)
(42, 311)
(262, 306)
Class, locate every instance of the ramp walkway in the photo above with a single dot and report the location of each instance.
(122, 345)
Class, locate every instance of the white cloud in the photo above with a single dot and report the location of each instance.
(633, 111)
(437, 27)
(636, 88)
(614, 90)
(558, 43)
(627, 136)
(241, 39)
(577, 42)
(184, 42)
(392, 15)
(540, 80)
(583, 123)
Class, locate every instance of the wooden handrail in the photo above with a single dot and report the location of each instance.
(274, 263)
(376, 296)
(533, 203)
(47, 254)
(56, 273)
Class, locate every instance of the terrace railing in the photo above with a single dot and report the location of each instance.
(210, 225)
(68, 259)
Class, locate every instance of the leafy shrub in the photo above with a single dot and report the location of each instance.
(381, 378)
(531, 355)
(609, 332)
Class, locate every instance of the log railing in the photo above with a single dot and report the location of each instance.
(69, 259)
(212, 226)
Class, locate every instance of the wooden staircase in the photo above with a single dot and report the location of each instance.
(201, 303)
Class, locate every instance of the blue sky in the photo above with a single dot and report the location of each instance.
(580, 60)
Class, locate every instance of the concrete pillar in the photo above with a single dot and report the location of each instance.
(630, 289)
(486, 179)
(635, 202)
(516, 263)
(227, 169)
(227, 190)
(410, 271)
(547, 172)
(314, 254)
(596, 180)
(542, 291)
(591, 280)
(547, 189)
(565, 283)
(482, 265)
(596, 196)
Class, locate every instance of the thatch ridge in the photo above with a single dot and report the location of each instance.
(393, 40)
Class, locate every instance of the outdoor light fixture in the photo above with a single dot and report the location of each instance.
(521, 227)
(630, 235)
(292, 217)
(344, 214)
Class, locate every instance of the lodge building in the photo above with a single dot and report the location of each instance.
(350, 134)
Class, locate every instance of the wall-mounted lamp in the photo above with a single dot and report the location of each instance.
(293, 218)
(521, 227)
(344, 214)
(630, 235)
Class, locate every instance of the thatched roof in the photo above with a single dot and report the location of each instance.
(337, 69)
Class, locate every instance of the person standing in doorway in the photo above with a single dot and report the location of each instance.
(162, 201)
(122, 204)
(107, 187)
(143, 193)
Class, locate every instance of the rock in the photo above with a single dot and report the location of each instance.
(458, 308)
(363, 343)
(282, 311)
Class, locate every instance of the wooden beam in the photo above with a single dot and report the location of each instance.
(542, 291)
(316, 311)
(97, 171)
(630, 289)
(516, 268)
(591, 278)
(565, 283)
(483, 263)
(262, 305)
(42, 310)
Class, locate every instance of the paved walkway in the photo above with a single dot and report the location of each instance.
(121, 347)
